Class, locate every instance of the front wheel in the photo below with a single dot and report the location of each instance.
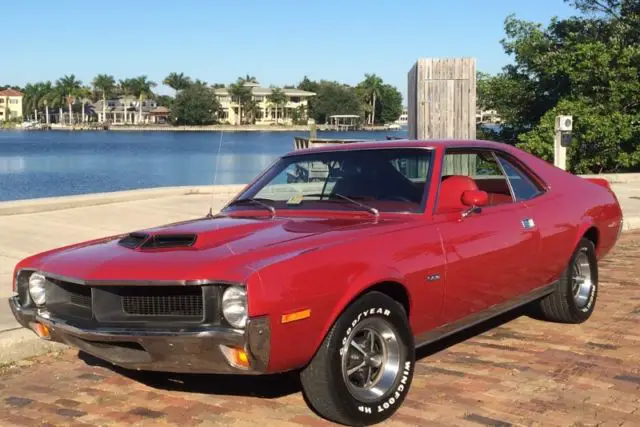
(362, 371)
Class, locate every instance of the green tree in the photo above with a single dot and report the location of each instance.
(586, 66)
(249, 79)
(389, 106)
(142, 89)
(242, 95)
(371, 88)
(299, 115)
(251, 109)
(126, 88)
(35, 96)
(105, 85)
(69, 87)
(84, 94)
(278, 99)
(177, 81)
(165, 100)
(195, 106)
(331, 98)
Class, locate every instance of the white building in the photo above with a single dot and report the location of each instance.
(266, 114)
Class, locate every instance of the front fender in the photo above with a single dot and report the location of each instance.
(358, 286)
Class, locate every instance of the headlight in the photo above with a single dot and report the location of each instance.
(234, 306)
(36, 288)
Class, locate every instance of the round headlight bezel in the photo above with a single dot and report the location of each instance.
(37, 289)
(234, 308)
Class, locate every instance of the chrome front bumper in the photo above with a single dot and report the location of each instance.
(195, 350)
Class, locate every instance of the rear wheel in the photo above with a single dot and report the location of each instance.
(362, 371)
(574, 297)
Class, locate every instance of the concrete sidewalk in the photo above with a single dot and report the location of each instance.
(32, 226)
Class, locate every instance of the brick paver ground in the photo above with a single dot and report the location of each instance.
(513, 371)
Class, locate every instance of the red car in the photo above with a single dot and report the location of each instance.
(337, 262)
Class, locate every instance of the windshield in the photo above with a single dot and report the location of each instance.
(387, 180)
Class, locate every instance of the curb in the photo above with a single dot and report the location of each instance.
(21, 343)
(631, 223)
(68, 202)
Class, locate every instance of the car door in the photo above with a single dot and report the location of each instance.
(488, 253)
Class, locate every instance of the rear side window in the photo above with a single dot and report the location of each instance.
(523, 187)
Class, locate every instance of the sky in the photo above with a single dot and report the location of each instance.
(278, 41)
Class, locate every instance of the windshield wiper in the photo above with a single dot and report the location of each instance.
(370, 209)
(258, 202)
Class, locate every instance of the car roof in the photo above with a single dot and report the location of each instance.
(401, 143)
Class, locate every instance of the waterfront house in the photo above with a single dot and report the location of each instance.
(267, 113)
(487, 116)
(10, 104)
(126, 110)
(403, 120)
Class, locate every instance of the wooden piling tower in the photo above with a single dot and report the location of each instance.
(442, 99)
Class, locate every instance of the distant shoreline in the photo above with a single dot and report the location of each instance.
(211, 128)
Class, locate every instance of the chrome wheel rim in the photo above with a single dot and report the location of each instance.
(581, 283)
(370, 359)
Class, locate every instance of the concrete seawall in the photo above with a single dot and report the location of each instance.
(31, 226)
(76, 201)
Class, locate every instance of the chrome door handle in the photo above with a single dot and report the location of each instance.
(528, 223)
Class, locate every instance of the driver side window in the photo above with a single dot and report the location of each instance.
(481, 172)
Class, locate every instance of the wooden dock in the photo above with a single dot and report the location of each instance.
(301, 143)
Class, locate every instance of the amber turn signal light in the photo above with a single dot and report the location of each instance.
(41, 330)
(296, 315)
(236, 356)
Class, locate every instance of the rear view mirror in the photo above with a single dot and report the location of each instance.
(475, 198)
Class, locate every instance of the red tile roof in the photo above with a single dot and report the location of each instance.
(11, 92)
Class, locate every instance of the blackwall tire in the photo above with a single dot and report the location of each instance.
(574, 298)
(363, 369)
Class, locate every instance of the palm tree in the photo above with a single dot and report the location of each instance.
(69, 85)
(251, 108)
(278, 99)
(249, 79)
(105, 84)
(242, 95)
(34, 97)
(142, 90)
(372, 86)
(126, 88)
(177, 81)
(84, 93)
(56, 98)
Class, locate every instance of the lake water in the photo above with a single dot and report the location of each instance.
(44, 164)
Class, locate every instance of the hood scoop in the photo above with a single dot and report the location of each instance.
(157, 241)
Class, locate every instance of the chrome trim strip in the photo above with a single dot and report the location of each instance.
(433, 335)
(319, 150)
(129, 282)
(124, 333)
(506, 177)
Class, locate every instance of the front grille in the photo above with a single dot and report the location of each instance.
(121, 304)
(78, 294)
(81, 300)
(186, 303)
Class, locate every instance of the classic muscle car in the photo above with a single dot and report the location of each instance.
(339, 274)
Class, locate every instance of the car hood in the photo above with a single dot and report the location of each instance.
(220, 248)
